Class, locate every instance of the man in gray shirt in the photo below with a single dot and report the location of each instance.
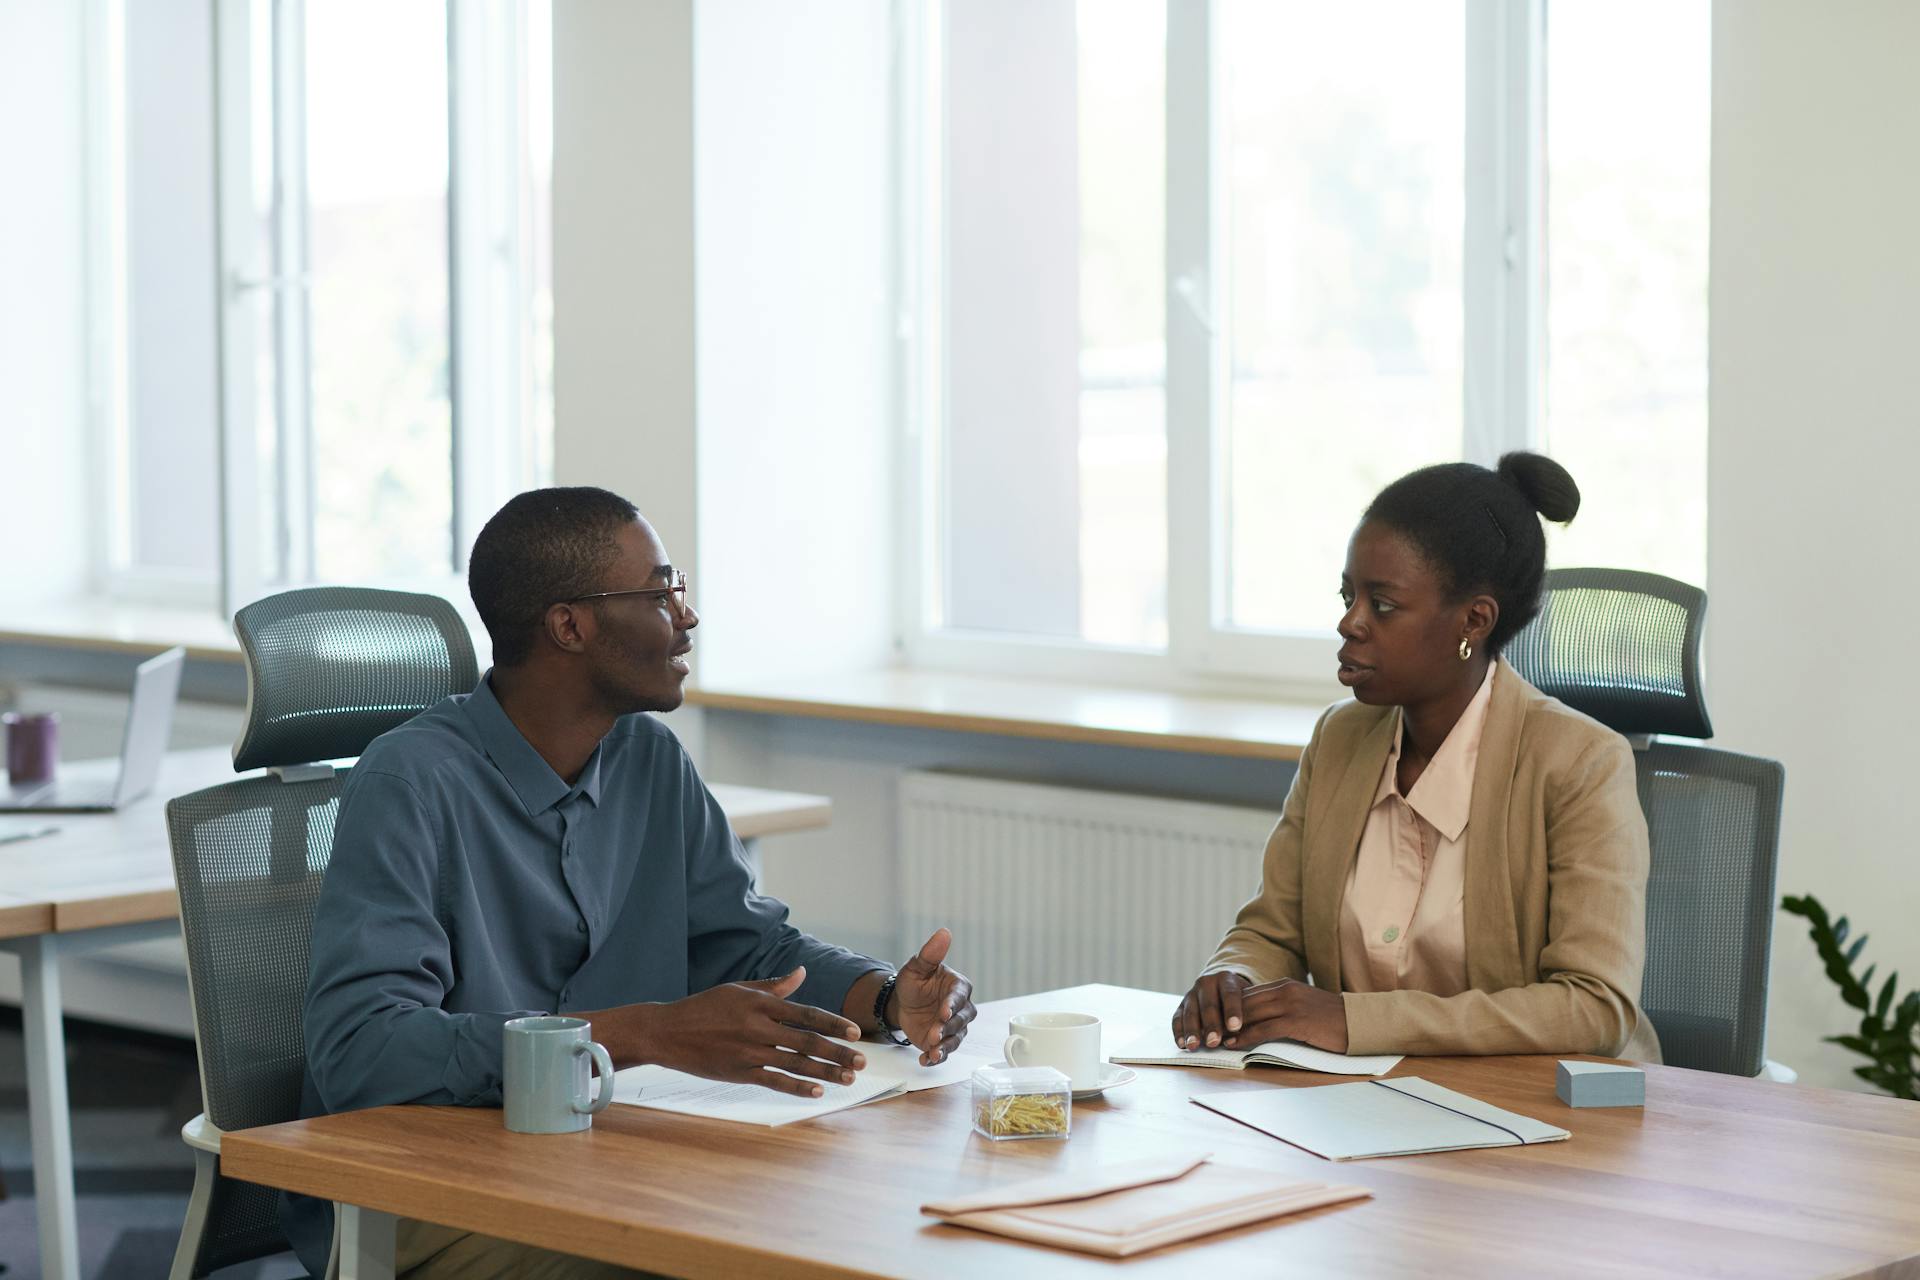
(540, 845)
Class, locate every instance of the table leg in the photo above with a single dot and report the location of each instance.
(752, 849)
(46, 1045)
(366, 1243)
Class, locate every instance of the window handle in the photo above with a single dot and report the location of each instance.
(238, 283)
(1186, 287)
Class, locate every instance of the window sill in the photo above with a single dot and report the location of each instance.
(1048, 710)
(106, 625)
(110, 626)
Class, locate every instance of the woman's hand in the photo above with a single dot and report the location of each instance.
(1211, 1010)
(1289, 1010)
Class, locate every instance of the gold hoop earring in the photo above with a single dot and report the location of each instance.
(1466, 647)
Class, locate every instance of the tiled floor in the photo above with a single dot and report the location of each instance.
(130, 1094)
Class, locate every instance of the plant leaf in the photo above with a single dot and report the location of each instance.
(1840, 932)
(1859, 945)
(1886, 998)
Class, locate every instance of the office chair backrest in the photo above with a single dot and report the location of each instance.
(1624, 647)
(248, 858)
(328, 669)
(1713, 819)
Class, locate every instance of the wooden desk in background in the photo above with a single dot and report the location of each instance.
(1716, 1175)
(104, 880)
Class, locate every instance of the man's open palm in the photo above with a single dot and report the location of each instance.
(935, 1002)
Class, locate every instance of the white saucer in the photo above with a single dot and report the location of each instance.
(1112, 1076)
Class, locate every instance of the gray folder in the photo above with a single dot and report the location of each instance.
(1400, 1117)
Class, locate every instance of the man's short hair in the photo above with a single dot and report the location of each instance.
(544, 546)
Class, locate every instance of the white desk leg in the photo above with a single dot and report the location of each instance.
(366, 1243)
(47, 1106)
(752, 849)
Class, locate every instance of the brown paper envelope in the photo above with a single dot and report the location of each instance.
(1128, 1209)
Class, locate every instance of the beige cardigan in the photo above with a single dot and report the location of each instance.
(1555, 894)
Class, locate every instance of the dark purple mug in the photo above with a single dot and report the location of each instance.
(33, 746)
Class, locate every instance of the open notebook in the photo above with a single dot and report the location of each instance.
(891, 1070)
(1400, 1117)
(1157, 1050)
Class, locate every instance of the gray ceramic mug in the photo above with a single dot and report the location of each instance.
(545, 1075)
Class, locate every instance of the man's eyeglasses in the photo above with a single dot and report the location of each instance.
(675, 593)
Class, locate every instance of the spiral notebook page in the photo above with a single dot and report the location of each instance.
(1156, 1049)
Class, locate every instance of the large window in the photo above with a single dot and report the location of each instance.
(1190, 280)
(324, 307)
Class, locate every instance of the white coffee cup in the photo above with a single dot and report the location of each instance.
(1067, 1042)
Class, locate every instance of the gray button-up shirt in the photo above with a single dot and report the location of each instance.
(470, 884)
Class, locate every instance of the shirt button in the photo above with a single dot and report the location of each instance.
(580, 927)
(1393, 932)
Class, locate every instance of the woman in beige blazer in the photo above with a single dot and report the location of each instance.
(1530, 937)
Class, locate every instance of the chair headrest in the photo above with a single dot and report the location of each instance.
(329, 669)
(1621, 646)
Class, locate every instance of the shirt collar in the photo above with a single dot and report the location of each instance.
(1444, 793)
(525, 769)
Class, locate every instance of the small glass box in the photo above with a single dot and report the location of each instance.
(1022, 1102)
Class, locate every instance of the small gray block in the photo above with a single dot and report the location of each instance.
(1600, 1084)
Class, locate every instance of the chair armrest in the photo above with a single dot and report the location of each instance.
(200, 1134)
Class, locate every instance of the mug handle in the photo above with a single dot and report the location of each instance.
(1007, 1050)
(604, 1066)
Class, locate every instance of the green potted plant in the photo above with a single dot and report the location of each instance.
(1887, 1023)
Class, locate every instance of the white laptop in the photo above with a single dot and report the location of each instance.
(89, 787)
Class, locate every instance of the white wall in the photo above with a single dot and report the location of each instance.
(43, 413)
(792, 248)
(172, 326)
(1814, 457)
(623, 343)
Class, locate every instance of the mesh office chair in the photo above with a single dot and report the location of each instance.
(328, 670)
(1624, 647)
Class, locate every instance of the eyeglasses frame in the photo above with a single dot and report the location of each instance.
(678, 587)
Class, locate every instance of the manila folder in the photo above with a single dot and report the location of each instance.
(1124, 1209)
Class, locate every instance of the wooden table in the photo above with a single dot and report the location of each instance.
(1716, 1175)
(107, 879)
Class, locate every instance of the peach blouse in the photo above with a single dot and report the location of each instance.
(1401, 923)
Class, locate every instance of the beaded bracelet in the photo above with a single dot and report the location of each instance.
(887, 1029)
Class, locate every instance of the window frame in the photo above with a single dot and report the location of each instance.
(1503, 319)
(490, 250)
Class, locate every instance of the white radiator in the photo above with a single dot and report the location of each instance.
(1049, 887)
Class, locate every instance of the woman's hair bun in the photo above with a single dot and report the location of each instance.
(1544, 482)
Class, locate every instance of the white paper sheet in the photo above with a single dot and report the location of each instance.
(891, 1070)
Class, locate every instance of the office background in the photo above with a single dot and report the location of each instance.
(724, 352)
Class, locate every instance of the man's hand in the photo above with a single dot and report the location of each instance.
(1290, 1010)
(932, 1004)
(740, 1031)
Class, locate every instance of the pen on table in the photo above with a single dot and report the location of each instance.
(31, 833)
